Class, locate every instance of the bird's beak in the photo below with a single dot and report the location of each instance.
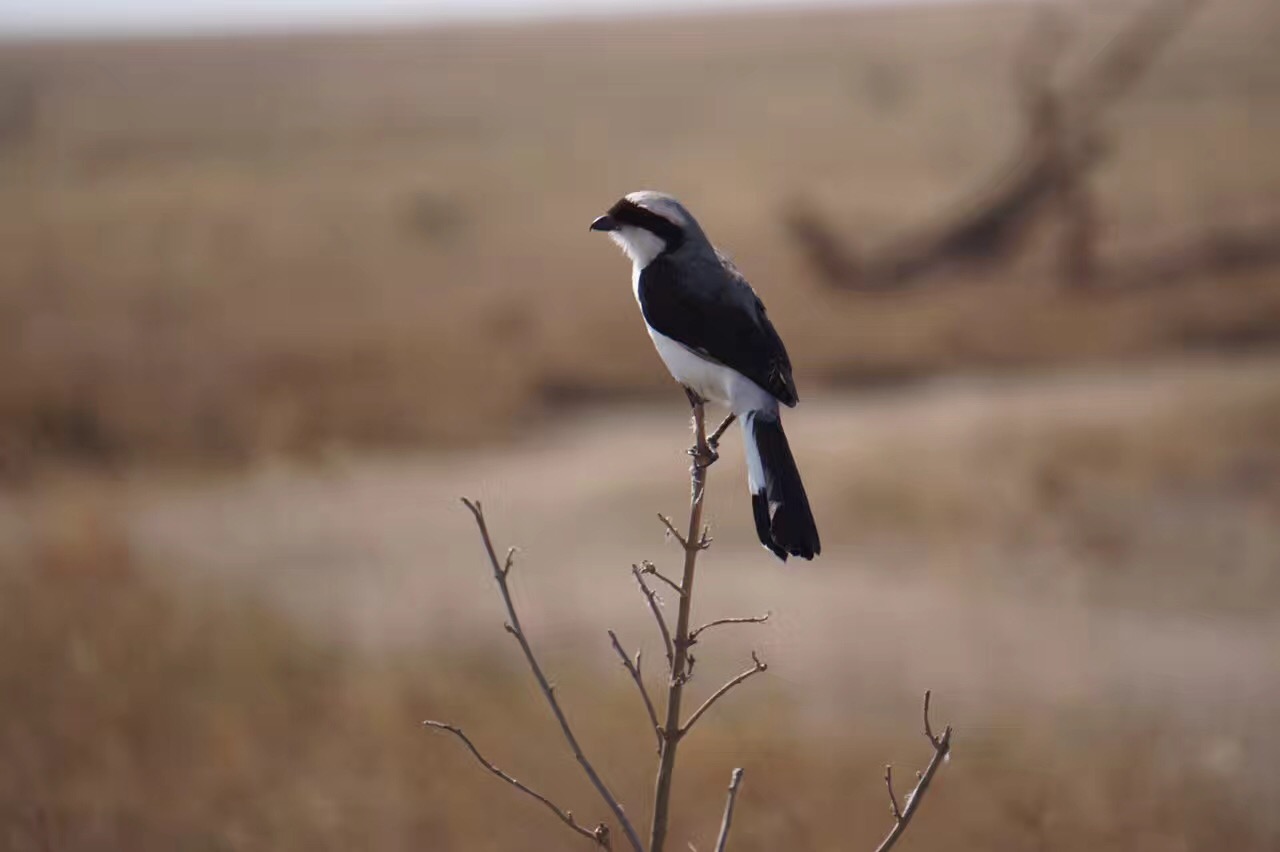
(604, 223)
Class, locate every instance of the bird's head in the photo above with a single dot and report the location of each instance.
(648, 224)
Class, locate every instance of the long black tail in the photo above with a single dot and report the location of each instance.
(783, 520)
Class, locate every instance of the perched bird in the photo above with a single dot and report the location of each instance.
(712, 332)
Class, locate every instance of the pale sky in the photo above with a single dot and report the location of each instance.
(55, 17)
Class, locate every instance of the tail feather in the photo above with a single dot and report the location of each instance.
(781, 508)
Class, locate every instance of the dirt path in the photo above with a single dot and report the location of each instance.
(380, 550)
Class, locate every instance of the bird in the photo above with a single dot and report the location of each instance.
(711, 330)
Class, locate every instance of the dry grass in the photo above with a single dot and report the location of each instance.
(1082, 567)
(1111, 491)
(228, 250)
(218, 248)
(140, 717)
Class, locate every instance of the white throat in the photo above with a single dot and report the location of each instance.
(640, 245)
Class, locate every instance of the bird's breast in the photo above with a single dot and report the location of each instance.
(708, 379)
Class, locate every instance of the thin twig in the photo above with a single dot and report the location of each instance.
(500, 572)
(655, 607)
(633, 668)
(735, 781)
(754, 619)
(755, 669)
(902, 817)
(600, 833)
(893, 799)
(647, 567)
(673, 532)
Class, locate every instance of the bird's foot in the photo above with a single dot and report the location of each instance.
(704, 454)
(714, 440)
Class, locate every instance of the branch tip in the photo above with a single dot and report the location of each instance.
(902, 814)
(512, 626)
(735, 781)
(633, 669)
(565, 816)
(893, 799)
(753, 619)
(672, 531)
(756, 667)
(647, 567)
(651, 598)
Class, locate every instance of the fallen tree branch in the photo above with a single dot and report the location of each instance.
(1047, 174)
(600, 834)
(902, 816)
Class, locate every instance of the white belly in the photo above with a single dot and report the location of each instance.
(711, 381)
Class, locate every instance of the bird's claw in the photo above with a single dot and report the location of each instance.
(704, 454)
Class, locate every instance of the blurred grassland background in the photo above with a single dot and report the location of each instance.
(269, 305)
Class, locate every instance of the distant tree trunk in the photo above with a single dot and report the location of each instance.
(1046, 179)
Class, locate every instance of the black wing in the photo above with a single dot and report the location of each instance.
(725, 324)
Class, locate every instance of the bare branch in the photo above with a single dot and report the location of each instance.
(1039, 54)
(647, 567)
(928, 728)
(756, 668)
(902, 817)
(735, 781)
(1128, 55)
(633, 668)
(672, 531)
(500, 571)
(600, 834)
(655, 607)
(703, 457)
(893, 799)
(754, 619)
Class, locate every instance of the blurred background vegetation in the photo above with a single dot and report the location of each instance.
(270, 303)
